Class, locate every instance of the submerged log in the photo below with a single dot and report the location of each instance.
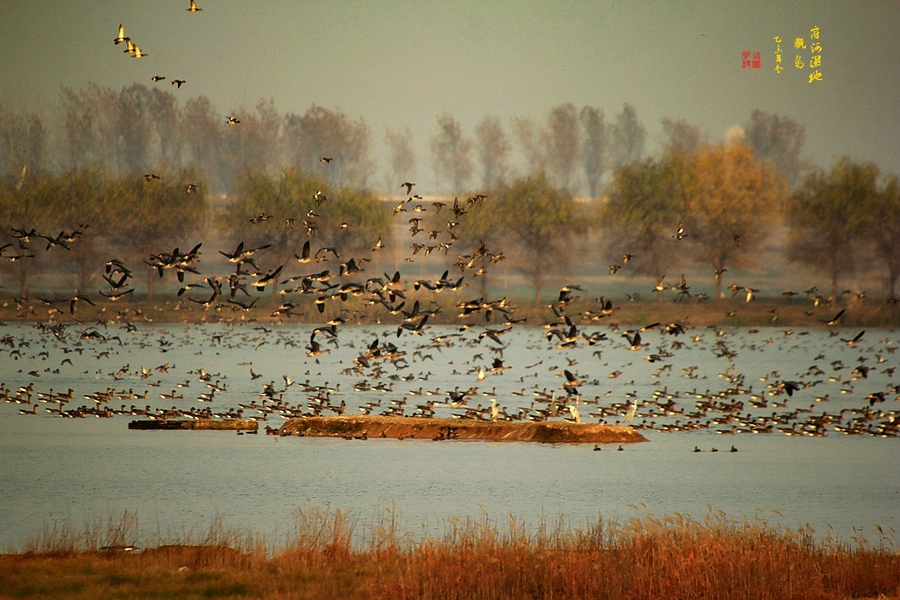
(236, 424)
(369, 426)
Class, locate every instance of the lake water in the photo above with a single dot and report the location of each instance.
(55, 469)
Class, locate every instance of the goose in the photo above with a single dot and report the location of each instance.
(193, 7)
(156, 78)
(177, 82)
(409, 186)
(137, 53)
(121, 36)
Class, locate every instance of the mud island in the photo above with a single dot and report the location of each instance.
(370, 426)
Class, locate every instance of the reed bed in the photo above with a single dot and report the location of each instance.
(332, 554)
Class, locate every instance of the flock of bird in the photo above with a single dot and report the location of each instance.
(382, 371)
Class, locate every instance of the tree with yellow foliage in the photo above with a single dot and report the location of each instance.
(732, 199)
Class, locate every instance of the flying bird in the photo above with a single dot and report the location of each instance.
(408, 186)
(156, 78)
(178, 82)
(193, 7)
(121, 37)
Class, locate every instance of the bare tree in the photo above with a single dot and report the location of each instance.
(402, 157)
(493, 150)
(528, 135)
(254, 143)
(593, 147)
(561, 141)
(628, 137)
(23, 145)
(320, 134)
(201, 127)
(779, 141)
(450, 152)
(133, 127)
(681, 137)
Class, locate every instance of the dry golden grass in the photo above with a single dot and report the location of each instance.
(330, 555)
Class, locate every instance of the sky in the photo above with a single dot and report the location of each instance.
(400, 64)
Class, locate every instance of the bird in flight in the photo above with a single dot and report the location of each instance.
(326, 159)
(137, 52)
(121, 37)
(193, 7)
(178, 82)
(408, 186)
(233, 121)
(157, 78)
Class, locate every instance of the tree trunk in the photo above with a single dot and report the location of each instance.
(23, 279)
(538, 284)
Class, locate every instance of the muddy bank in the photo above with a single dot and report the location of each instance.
(174, 424)
(368, 426)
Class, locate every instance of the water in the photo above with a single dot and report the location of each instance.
(56, 469)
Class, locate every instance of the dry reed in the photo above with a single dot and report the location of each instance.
(330, 554)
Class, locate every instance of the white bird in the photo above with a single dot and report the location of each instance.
(137, 53)
(495, 412)
(576, 414)
(631, 412)
(121, 37)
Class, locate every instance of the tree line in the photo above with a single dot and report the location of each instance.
(138, 175)
(142, 128)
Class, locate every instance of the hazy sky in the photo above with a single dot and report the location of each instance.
(401, 64)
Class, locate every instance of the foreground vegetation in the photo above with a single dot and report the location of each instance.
(333, 555)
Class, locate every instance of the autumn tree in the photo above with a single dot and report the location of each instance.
(828, 217)
(779, 141)
(562, 147)
(348, 219)
(732, 199)
(450, 153)
(541, 223)
(595, 138)
(493, 149)
(156, 216)
(402, 159)
(646, 201)
(628, 137)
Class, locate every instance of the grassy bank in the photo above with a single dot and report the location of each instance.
(333, 555)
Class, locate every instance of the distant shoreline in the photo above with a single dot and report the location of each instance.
(726, 312)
